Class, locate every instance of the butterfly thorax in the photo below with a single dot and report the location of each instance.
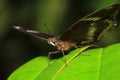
(61, 45)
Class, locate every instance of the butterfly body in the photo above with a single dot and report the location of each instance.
(61, 45)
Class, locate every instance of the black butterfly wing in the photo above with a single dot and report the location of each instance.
(34, 33)
(91, 27)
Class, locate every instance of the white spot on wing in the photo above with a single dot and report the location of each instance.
(91, 32)
(17, 27)
(31, 31)
(91, 19)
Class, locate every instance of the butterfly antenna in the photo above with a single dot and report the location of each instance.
(46, 27)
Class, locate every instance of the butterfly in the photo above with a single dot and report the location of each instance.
(88, 29)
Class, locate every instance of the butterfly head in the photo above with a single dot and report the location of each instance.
(61, 45)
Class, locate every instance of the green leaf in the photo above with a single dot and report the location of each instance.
(98, 64)
(30, 70)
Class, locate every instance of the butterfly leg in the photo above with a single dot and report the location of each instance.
(75, 46)
(55, 53)
(81, 54)
(64, 58)
(50, 54)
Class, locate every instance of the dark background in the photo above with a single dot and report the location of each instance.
(16, 48)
